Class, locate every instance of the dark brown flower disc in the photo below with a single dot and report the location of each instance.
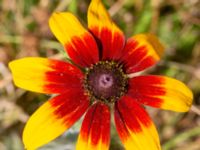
(106, 81)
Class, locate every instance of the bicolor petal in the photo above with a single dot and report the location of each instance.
(161, 92)
(78, 42)
(53, 118)
(141, 51)
(134, 126)
(112, 39)
(45, 75)
(95, 130)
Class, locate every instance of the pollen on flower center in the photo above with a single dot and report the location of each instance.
(105, 81)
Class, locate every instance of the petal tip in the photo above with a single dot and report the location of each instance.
(156, 43)
(13, 64)
(152, 42)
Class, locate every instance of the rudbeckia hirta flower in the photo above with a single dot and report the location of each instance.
(97, 83)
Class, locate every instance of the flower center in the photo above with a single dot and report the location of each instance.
(105, 81)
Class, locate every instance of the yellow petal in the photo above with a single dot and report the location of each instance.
(134, 126)
(162, 92)
(98, 15)
(45, 75)
(65, 25)
(141, 51)
(152, 43)
(97, 119)
(104, 29)
(53, 118)
(78, 42)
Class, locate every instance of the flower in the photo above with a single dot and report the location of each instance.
(105, 58)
